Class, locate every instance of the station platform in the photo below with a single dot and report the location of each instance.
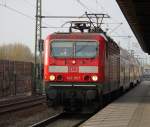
(130, 110)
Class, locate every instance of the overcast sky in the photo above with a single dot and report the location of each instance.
(15, 27)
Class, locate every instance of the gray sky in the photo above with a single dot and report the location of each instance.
(17, 28)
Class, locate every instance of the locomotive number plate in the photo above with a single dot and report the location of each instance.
(73, 69)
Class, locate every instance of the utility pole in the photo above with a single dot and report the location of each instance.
(38, 35)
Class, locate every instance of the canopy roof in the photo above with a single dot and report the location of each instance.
(137, 13)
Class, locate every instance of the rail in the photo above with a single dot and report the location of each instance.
(65, 117)
(21, 104)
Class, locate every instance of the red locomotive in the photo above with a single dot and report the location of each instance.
(83, 67)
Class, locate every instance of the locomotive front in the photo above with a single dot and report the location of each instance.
(73, 67)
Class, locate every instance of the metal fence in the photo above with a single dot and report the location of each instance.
(15, 78)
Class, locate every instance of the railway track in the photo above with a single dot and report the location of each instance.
(76, 118)
(18, 104)
(72, 120)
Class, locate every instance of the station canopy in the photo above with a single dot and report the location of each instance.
(137, 13)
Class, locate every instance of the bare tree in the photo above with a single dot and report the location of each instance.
(17, 51)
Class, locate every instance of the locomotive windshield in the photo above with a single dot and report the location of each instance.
(87, 49)
(62, 49)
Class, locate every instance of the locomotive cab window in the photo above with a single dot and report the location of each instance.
(86, 49)
(78, 49)
(62, 49)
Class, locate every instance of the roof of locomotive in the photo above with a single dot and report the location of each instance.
(67, 34)
(84, 35)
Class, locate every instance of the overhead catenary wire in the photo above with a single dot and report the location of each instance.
(102, 9)
(17, 11)
(32, 18)
(25, 15)
(84, 6)
(5, 5)
(55, 27)
(115, 28)
(106, 11)
(30, 4)
(81, 3)
(20, 13)
(75, 17)
(34, 7)
(49, 26)
(63, 26)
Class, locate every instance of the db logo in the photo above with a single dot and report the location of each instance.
(73, 68)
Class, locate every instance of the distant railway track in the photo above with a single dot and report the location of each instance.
(62, 118)
(18, 104)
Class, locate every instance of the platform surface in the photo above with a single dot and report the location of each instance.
(130, 110)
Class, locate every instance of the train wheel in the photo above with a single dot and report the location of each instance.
(121, 91)
(131, 85)
(73, 106)
(109, 97)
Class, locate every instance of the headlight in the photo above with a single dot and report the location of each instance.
(94, 78)
(52, 77)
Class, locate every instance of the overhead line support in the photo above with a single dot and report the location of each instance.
(38, 35)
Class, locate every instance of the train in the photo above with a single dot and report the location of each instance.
(146, 72)
(80, 68)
